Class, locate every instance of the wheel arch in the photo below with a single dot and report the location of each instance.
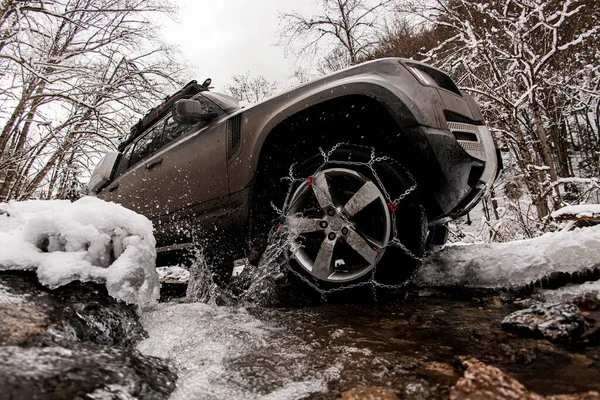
(378, 119)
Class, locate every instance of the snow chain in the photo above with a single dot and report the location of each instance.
(392, 204)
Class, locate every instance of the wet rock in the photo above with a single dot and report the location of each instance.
(495, 302)
(439, 368)
(21, 320)
(588, 301)
(481, 381)
(591, 336)
(82, 371)
(556, 322)
(370, 393)
(73, 342)
(581, 360)
(524, 356)
(76, 312)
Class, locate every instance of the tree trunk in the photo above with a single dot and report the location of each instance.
(525, 162)
(5, 189)
(546, 150)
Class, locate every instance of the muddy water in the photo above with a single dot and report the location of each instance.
(410, 347)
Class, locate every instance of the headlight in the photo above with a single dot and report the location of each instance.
(430, 76)
(422, 76)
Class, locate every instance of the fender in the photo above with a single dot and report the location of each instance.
(400, 106)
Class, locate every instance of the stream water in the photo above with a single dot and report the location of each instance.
(409, 346)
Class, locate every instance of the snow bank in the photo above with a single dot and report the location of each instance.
(513, 264)
(579, 211)
(570, 292)
(89, 240)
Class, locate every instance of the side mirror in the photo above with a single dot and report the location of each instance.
(103, 171)
(186, 111)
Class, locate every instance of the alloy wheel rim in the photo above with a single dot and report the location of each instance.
(339, 224)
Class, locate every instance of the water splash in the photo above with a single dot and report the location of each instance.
(256, 285)
(201, 286)
(261, 282)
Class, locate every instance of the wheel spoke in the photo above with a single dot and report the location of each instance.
(321, 189)
(370, 240)
(361, 246)
(323, 267)
(299, 225)
(362, 198)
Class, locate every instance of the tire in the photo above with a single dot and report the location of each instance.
(342, 228)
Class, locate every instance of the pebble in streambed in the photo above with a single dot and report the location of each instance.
(559, 322)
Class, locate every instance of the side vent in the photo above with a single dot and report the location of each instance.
(234, 135)
(468, 137)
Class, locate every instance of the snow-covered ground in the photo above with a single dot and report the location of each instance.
(514, 264)
(89, 240)
(579, 211)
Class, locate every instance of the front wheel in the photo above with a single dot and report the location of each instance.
(353, 220)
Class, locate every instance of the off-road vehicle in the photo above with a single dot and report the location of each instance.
(360, 168)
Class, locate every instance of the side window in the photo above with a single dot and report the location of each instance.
(162, 133)
(173, 130)
(125, 160)
(148, 143)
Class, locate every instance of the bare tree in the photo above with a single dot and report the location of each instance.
(76, 73)
(344, 31)
(300, 76)
(251, 88)
(409, 37)
(534, 67)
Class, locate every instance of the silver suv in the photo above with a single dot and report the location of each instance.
(362, 168)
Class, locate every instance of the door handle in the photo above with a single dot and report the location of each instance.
(113, 188)
(154, 163)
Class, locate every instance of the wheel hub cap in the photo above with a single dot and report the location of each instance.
(339, 225)
(336, 224)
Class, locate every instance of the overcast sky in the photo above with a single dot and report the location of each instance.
(221, 38)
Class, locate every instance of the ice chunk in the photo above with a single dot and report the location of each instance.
(512, 264)
(89, 240)
(578, 211)
(571, 292)
(173, 274)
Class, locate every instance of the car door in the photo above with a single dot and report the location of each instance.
(129, 189)
(186, 182)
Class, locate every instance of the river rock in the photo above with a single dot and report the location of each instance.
(79, 312)
(587, 301)
(482, 381)
(79, 370)
(558, 322)
(371, 393)
(73, 342)
(485, 382)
